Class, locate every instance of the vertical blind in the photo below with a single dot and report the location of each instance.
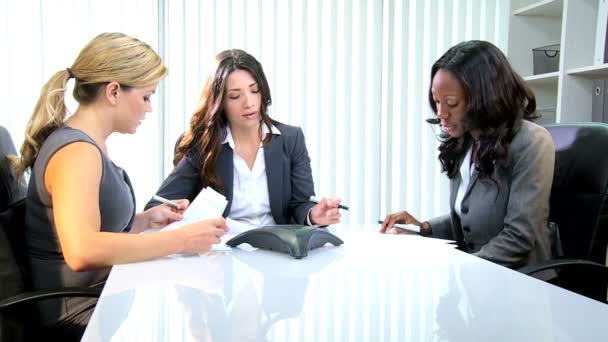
(353, 74)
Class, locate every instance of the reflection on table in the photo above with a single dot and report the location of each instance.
(373, 288)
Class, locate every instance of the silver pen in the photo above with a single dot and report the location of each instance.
(165, 201)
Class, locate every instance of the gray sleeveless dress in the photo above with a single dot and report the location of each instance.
(48, 267)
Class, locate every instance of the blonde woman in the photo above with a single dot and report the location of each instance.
(80, 205)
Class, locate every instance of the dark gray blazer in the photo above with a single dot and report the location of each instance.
(290, 183)
(507, 222)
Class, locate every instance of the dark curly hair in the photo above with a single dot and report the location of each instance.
(208, 124)
(497, 101)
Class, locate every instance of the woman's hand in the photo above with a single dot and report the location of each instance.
(164, 214)
(198, 237)
(159, 216)
(325, 212)
(402, 217)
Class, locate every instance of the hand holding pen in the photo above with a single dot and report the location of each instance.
(403, 222)
(316, 199)
(326, 211)
(399, 228)
(162, 215)
(166, 201)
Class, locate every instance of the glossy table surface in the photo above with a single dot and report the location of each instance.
(374, 287)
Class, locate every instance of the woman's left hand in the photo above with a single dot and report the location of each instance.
(325, 212)
(164, 214)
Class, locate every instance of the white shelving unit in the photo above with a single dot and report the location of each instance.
(545, 8)
(548, 79)
(590, 71)
(566, 94)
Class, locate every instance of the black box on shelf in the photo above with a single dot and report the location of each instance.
(546, 59)
(599, 100)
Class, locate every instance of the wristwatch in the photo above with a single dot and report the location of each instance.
(425, 229)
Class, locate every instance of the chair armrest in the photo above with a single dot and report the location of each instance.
(562, 263)
(27, 297)
(584, 277)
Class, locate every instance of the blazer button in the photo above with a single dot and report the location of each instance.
(464, 209)
(466, 229)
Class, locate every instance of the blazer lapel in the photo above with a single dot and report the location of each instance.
(472, 181)
(454, 184)
(472, 178)
(274, 172)
(225, 170)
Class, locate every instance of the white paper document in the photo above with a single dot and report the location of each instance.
(209, 204)
(410, 227)
(234, 228)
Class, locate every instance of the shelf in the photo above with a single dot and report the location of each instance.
(547, 79)
(565, 95)
(545, 8)
(592, 71)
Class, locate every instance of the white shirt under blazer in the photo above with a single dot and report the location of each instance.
(250, 202)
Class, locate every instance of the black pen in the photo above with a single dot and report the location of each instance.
(410, 227)
(314, 199)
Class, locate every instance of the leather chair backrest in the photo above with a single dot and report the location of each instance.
(10, 190)
(12, 222)
(578, 196)
(13, 262)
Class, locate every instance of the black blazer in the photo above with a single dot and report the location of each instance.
(290, 183)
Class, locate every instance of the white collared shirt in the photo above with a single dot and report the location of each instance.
(250, 201)
(466, 171)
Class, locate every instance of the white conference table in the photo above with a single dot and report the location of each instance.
(374, 287)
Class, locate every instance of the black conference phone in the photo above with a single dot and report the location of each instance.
(295, 240)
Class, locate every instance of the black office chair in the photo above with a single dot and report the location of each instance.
(10, 190)
(18, 314)
(579, 208)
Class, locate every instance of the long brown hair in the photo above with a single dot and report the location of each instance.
(108, 57)
(498, 100)
(207, 127)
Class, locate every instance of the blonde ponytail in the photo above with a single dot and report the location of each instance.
(49, 113)
(111, 56)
